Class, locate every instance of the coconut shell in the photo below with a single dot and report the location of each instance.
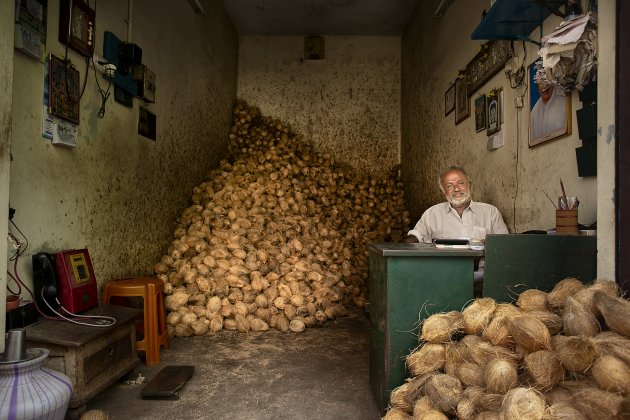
(445, 391)
(578, 320)
(565, 288)
(611, 374)
(529, 333)
(523, 404)
(498, 332)
(563, 411)
(576, 353)
(552, 321)
(532, 300)
(428, 358)
(500, 376)
(616, 312)
(470, 374)
(439, 328)
(545, 368)
(478, 314)
(599, 404)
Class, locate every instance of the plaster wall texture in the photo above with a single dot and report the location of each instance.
(514, 177)
(347, 104)
(119, 193)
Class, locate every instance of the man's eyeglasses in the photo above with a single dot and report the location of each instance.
(458, 184)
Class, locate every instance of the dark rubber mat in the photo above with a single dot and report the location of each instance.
(167, 382)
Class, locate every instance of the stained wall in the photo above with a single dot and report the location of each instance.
(347, 104)
(514, 177)
(119, 193)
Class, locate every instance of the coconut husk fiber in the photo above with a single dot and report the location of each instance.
(506, 309)
(471, 374)
(483, 352)
(456, 353)
(545, 368)
(431, 415)
(445, 391)
(613, 344)
(557, 394)
(565, 288)
(523, 404)
(478, 314)
(529, 332)
(576, 354)
(563, 411)
(616, 312)
(396, 414)
(440, 328)
(398, 398)
(489, 415)
(552, 321)
(422, 405)
(611, 374)
(428, 358)
(578, 320)
(416, 387)
(467, 406)
(600, 404)
(490, 402)
(500, 376)
(498, 332)
(585, 296)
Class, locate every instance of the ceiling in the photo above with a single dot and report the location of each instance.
(320, 17)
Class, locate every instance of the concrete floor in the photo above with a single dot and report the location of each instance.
(322, 373)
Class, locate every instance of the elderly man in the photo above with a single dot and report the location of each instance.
(459, 217)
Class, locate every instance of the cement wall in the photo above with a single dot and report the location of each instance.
(514, 177)
(118, 193)
(347, 104)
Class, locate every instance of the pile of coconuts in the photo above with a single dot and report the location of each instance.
(558, 355)
(275, 236)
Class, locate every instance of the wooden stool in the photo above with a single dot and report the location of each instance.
(151, 289)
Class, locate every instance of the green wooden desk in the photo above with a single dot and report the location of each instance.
(518, 262)
(407, 283)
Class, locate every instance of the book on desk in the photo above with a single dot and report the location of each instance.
(453, 243)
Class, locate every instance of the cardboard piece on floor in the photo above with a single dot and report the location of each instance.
(167, 382)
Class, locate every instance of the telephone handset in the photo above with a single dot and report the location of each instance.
(44, 281)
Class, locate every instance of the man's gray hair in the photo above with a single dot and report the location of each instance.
(450, 169)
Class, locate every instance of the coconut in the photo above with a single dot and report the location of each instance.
(432, 415)
(562, 290)
(94, 415)
(216, 323)
(455, 354)
(616, 312)
(545, 368)
(429, 357)
(578, 320)
(242, 323)
(445, 391)
(199, 327)
(500, 376)
(557, 394)
(421, 406)
(439, 328)
(471, 374)
(173, 318)
(258, 324)
(552, 321)
(478, 315)
(585, 296)
(613, 344)
(396, 414)
(612, 374)
(416, 387)
(467, 406)
(563, 411)
(490, 402)
(575, 353)
(506, 309)
(483, 352)
(498, 332)
(282, 323)
(398, 398)
(297, 325)
(523, 404)
(471, 340)
(183, 330)
(488, 415)
(529, 332)
(532, 300)
(599, 404)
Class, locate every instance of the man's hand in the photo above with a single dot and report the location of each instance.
(410, 239)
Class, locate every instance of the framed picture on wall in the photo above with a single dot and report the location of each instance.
(462, 101)
(549, 111)
(494, 111)
(480, 113)
(449, 100)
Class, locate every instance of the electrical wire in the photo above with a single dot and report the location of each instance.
(19, 251)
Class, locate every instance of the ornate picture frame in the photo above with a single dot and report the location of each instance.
(462, 101)
(449, 100)
(488, 61)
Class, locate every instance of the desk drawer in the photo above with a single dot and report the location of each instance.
(106, 358)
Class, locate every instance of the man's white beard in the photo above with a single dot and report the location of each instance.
(459, 201)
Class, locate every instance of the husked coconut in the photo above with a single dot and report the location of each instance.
(616, 312)
(532, 300)
(565, 288)
(478, 314)
(445, 391)
(428, 358)
(500, 376)
(439, 328)
(612, 374)
(545, 368)
(523, 404)
(578, 320)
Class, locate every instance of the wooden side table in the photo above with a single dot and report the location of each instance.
(94, 358)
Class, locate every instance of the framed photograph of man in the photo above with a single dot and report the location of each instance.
(549, 111)
(494, 110)
(480, 113)
(462, 101)
(449, 100)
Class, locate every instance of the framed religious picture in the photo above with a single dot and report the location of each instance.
(493, 111)
(462, 101)
(549, 110)
(480, 113)
(64, 89)
(490, 59)
(449, 100)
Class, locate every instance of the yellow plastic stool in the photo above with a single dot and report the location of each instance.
(151, 289)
